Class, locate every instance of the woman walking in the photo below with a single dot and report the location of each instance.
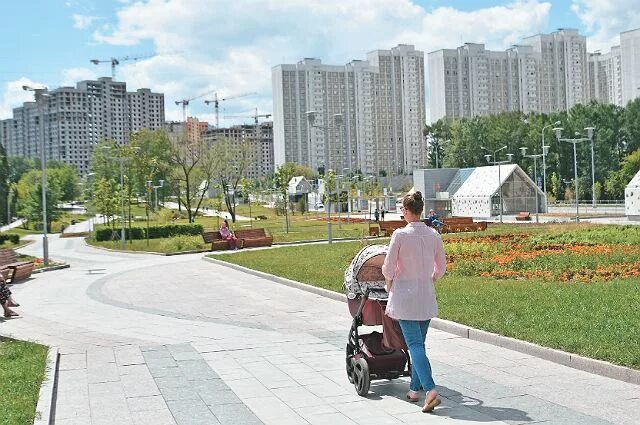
(6, 300)
(415, 261)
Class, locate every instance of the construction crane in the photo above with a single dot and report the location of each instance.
(216, 103)
(185, 103)
(116, 61)
(254, 116)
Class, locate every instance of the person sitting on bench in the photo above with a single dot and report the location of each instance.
(433, 219)
(228, 235)
(6, 299)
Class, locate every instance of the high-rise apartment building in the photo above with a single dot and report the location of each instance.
(260, 139)
(545, 73)
(605, 77)
(365, 115)
(6, 128)
(74, 119)
(630, 62)
(564, 80)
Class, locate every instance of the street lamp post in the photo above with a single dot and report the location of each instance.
(155, 189)
(499, 164)
(574, 142)
(535, 172)
(590, 131)
(39, 96)
(311, 118)
(347, 169)
(544, 163)
(121, 159)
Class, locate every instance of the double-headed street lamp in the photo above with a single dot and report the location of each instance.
(155, 189)
(39, 96)
(545, 150)
(339, 118)
(574, 142)
(491, 159)
(121, 159)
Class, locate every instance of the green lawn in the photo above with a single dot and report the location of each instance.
(598, 317)
(22, 366)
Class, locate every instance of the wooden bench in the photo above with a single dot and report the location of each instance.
(462, 224)
(388, 227)
(523, 216)
(252, 238)
(12, 269)
(217, 243)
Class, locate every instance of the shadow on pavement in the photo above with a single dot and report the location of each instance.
(455, 405)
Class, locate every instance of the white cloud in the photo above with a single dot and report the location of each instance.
(231, 45)
(605, 19)
(71, 76)
(13, 95)
(82, 21)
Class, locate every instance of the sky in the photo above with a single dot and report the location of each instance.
(230, 46)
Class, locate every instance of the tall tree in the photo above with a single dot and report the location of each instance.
(4, 186)
(282, 177)
(194, 167)
(29, 191)
(232, 159)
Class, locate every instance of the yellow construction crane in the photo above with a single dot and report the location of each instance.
(216, 103)
(116, 61)
(185, 103)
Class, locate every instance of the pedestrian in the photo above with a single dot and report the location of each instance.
(376, 215)
(6, 300)
(415, 261)
(382, 214)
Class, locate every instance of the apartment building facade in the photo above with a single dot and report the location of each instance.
(367, 115)
(260, 139)
(75, 119)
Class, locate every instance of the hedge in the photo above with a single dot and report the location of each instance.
(155, 232)
(14, 239)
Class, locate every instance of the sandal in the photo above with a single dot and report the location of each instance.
(431, 405)
(11, 314)
(413, 399)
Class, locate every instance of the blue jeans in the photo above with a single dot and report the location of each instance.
(415, 333)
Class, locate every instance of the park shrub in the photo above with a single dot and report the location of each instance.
(155, 232)
(182, 243)
(14, 239)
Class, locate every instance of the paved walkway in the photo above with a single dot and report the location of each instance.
(177, 340)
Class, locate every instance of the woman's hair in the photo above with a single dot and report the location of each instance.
(414, 203)
(226, 222)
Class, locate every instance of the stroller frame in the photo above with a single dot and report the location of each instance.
(362, 367)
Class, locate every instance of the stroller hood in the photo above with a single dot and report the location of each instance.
(365, 272)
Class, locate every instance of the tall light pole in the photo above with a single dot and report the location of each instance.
(39, 96)
(499, 164)
(535, 172)
(590, 131)
(544, 164)
(155, 189)
(121, 159)
(574, 142)
(311, 119)
(347, 171)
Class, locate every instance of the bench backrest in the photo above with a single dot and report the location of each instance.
(458, 220)
(392, 224)
(251, 233)
(7, 256)
(524, 213)
(211, 236)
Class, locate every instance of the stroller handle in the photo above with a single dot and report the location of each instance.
(364, 299)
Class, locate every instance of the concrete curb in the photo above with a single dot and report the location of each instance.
(51, 268)
(597, 367)
(45, 410)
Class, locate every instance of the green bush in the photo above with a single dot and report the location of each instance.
(182, 243)
(155, 232)
(14, 239)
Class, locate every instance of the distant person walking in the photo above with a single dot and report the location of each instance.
(416, 260)
(376, 215)
(382, 214)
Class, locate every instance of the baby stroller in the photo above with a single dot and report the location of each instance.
(374, 355)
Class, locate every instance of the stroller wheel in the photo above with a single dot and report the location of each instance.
(361, 378)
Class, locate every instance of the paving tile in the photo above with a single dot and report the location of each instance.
(143, 404)
(153, 417)
(234, 414)
(191, 412)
